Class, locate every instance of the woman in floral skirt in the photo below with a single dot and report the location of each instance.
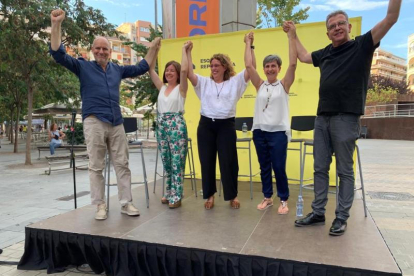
(171, 127)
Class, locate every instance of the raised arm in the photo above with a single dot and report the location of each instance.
(251, 38)
(191, 76)
(382, 28)
(248, 62)
(152, 51)
(290, 73)
(57, 17)
(184, 70)
(61, 135)
(303, 55)
(153, 75)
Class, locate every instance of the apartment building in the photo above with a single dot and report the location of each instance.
(128, 31)
(410, 63)
(388, 65)
(142, 32)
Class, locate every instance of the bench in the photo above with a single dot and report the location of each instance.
(61, 148)
(66, 159)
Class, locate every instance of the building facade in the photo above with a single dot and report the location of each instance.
(388, 65)
(410, 63)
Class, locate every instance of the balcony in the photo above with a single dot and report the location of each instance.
(391, 60)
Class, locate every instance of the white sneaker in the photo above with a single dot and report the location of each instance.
(129, 209)
(101, 213)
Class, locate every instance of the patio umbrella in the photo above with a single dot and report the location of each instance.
(57, 108)
(143, 109)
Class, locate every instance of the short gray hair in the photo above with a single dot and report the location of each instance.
(334, 13)
(271, 58)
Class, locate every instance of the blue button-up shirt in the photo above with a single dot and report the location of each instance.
(99, 89)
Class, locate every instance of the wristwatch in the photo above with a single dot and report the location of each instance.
(252, 47)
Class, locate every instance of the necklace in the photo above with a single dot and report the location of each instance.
(218, 92)
(269, 94)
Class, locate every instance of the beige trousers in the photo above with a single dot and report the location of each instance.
(99, 136)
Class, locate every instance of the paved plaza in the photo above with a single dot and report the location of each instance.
(28, 195)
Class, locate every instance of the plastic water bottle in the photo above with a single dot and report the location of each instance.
(299, 206)
(201, 192)
(244, 129)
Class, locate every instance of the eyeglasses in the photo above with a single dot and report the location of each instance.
(339, 24)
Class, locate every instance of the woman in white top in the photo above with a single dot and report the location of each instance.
(171, 127)
(271, 127)
(216, 131)
(55, 138)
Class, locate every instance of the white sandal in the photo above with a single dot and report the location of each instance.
(267, 201)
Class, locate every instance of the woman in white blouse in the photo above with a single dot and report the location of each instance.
(271, 126)
(172, 134)
(216, 131)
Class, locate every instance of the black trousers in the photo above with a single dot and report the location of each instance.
(218, 136)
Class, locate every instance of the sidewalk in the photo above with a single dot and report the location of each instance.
(28, 196)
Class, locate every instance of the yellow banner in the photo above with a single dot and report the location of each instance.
(303, 93)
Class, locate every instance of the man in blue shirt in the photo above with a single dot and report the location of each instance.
(102, 120)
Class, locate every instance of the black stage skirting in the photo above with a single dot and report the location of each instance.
(219, 242)
(54, 251)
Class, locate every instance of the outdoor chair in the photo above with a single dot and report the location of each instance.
(310, 144)
(299, 124)
(247, 139)
(364, 132)
(191, 174)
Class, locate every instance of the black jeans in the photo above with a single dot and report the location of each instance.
(218, 136)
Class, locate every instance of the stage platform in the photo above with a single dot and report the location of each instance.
(193, 241)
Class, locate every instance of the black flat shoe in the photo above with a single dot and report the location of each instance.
(338, 227)
(311, 219)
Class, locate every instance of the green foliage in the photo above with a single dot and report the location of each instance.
(143, 87)
(381, 95)
(401, 86)
(259, 20)
(24, 51)
(79, 138)
(281, 10)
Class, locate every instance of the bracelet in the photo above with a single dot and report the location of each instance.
(252, 47)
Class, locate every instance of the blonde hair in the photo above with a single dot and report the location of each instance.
(226, 63)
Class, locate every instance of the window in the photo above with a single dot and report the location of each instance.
(143, 39)
(143, 29)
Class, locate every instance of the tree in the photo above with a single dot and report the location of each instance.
(144, 88)
(24, 33)
(259, 20)
(401, 86)
(278, 11)
(380, 94)
(148, 116)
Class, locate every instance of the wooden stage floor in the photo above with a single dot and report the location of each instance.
(247, 231)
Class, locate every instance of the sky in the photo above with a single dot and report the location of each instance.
(371, 11)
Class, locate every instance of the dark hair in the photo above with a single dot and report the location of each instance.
(177, 67)
(226, 63)
(51, 126)
(271, 58)
(334, 13)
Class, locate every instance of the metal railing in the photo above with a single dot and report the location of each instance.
(389, 111)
